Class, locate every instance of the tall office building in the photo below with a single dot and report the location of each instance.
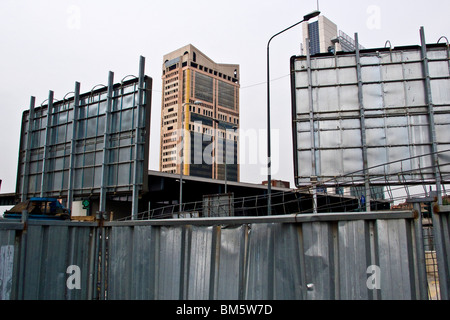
(324, 36)
(199, 115)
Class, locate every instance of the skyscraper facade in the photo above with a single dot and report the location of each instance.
(324, 36)
(199, 116)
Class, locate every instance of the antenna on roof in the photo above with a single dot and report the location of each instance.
(318, 5)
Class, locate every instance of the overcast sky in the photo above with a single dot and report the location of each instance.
(48, 45)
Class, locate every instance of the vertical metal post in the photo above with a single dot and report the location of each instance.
(226, 163)
(106, 136)
(138, 142)
(184, 141)
(180, 202)
(422, 293)
(23, 256)
(26, 164)
(269, 151)
(363, 125)
(44, 177)
(432, 127)
(76, 105)
(312, 133)
(103, 259)
(440, 238)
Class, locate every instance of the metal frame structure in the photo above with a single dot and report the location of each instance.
(357, 114)
(88, 145)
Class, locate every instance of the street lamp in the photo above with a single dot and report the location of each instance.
(182, 149)
(269, 160)
(226, 163)
(226, 155)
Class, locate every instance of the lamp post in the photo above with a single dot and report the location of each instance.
(226, 155)
(182, 149)
(269, 156)
(226, 163)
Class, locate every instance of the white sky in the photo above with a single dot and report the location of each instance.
(48, 45)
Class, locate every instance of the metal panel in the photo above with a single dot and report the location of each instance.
(200, 265)
(230, 270)
(144, 268)
(288, 280)
(354, 249)
(372, 103)
(7, 257)
(120, 263)
(169, 262)
(259, 277)
(319, 261)
(441, 232)
(393, 260)
(49, 251)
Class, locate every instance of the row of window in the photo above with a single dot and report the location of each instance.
(170, 122)
(216, 73)
(210, 114)
(170, 146)
(167, 153)
(170, 80)
(170, 165)
(169, 140)
(171, 103)
(171, 92)
(172, 115)
(226, 118)
(171, 98)
(170, 86)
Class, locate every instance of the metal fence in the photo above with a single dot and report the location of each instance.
(314, 256)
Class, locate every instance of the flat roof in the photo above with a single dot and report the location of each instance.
(215, 181)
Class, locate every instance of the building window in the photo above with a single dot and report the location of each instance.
(226, 95)
(203, 87)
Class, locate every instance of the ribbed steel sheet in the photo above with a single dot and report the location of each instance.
(42, 254)
(7, 252)
(301, 257)
(441, 233)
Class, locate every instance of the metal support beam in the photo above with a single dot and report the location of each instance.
(76, 105)
(27, 155)
(138, 145)
(106, 142)
(312, 132)
(44, 176)
(432, 127)
(420, 252)
(363, 125)
(440, 217)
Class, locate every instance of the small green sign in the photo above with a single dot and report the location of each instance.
(86, 204)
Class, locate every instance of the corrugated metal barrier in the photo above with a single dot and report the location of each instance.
(323, 256)
(441, 230)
